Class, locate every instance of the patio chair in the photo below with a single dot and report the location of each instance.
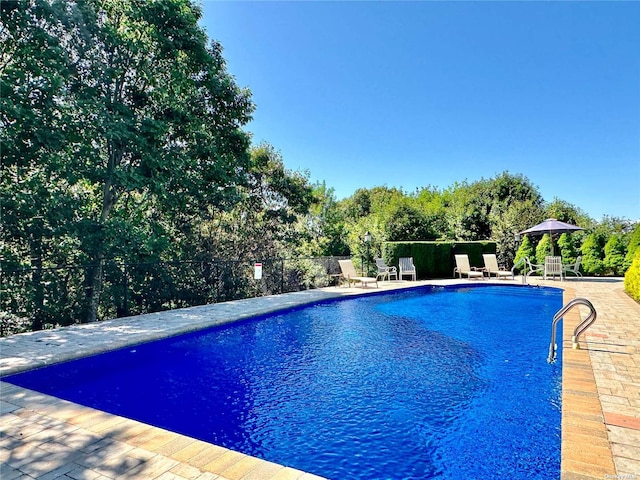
(553, 267)
(464, 268)
(533, 267)
(407, 267)
(350, 275)
(385, 271)
(575, 268)
(491, 266)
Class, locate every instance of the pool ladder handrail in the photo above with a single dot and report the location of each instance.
(525, 271)
(579, 330)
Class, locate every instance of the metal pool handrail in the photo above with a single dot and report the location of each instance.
(579, 330)
(518, 264)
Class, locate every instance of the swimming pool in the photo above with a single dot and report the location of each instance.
(427, 383)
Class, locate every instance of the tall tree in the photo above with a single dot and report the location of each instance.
(506, 220)
(544, 248)
(525, 249)
(476, 207)
(143, 108)
(567, 248)
(263, 221)
(566, 212)
(325, 224)
(614, 253)
(592, 250)
(36, 198)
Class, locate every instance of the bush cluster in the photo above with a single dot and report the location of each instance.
(632, 277)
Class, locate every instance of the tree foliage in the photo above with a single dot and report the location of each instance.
(476, 206)
(632, 277)
(593, 255)
(325, 224)
(565, 212)
(567, 248)
(614, 254)
(632, 247)
(264, 221)
(544, 248)
(525, 250)
(114, 110)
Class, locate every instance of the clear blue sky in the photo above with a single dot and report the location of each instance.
(414, 94)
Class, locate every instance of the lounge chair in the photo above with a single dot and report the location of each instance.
(350, 275)
(553, 267)
(385, 271)
(407, 267)
(464, 268)
(575, 268)
(491, 266)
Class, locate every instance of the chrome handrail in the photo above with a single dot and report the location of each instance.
(579, 330)
(517, 265)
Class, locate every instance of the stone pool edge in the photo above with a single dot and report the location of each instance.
(47, 419)
(585, 449)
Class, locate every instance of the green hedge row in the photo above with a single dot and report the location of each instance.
(436, 259)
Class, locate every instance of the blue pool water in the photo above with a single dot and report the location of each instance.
(446, 383)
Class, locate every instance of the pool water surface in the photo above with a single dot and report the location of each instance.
(433, 382)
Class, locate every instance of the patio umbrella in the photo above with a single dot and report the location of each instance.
(551, 226)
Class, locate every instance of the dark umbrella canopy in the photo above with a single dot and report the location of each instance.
(551, 225)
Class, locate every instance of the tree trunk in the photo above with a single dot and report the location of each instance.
(93, 280)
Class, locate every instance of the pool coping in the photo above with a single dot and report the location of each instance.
(36, 423)
(585, 449)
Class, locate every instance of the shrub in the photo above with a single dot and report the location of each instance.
(11, 324)
(526, 249)
(634, 243)
(592, 255)
(567, 248)
(614, 255)
(632, 277)
(543, 249)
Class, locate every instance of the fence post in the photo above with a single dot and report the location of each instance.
(126, 289)
(282, 275)
(216, 279)
(35, 245)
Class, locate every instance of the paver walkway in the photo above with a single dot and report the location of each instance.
(44, 437)
(613, 343)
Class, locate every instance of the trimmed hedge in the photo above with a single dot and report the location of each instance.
(632, 277)
(436, 259)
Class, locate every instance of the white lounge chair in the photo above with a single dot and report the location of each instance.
(575, 268)
(553, 267)
(407, 267)
(385, 271)
(350, 275)
(464, 268)
(491, 266)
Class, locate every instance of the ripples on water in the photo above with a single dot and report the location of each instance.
(431, 383)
